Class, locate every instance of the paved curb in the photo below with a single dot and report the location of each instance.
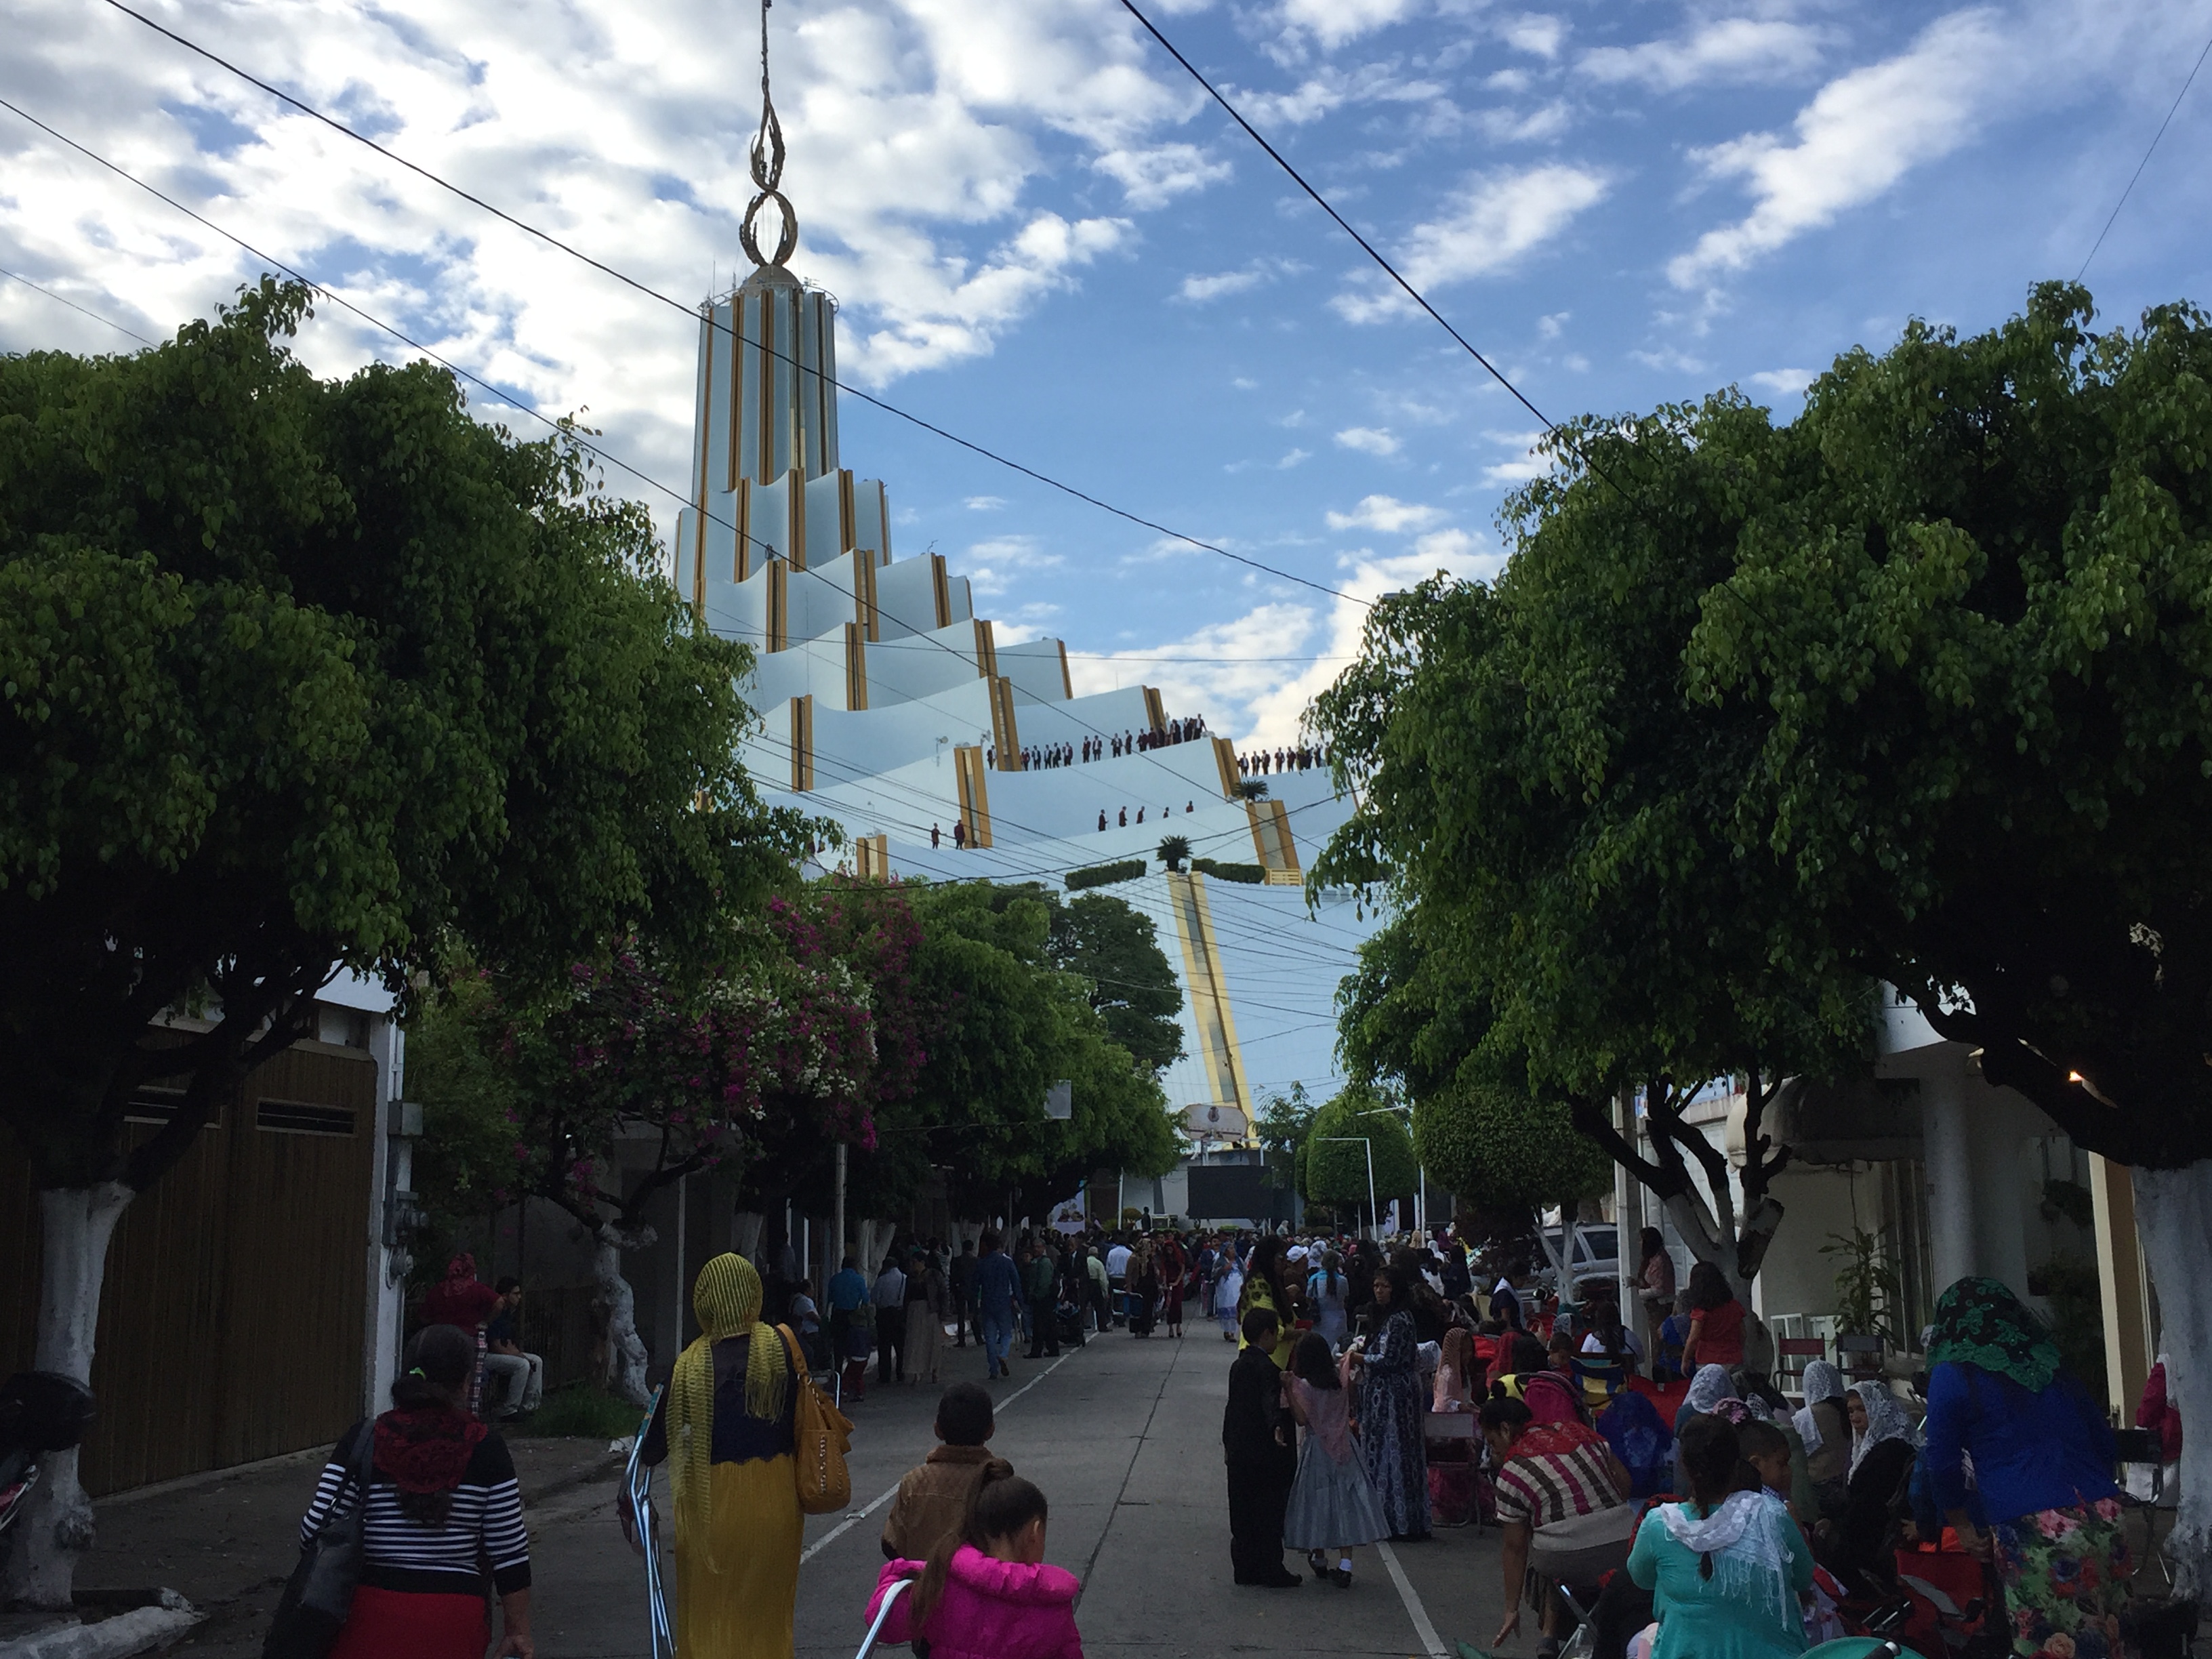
(125, 1634)
(609, 1465)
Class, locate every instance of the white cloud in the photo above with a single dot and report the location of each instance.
(1332, 22)
(992, 567)
(1861, 134)
(1289, 458)
(1197, 288)
(1522, 464)
(1497, 218)
(1730, 49)
(1670, 360)
(1263, 701)
(1538, 35)
(1153, 176)
(1368, 440)
(1784, 382)
(1513, 126)
(1388, 514)
(930, 143)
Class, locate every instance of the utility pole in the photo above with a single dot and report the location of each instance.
(836, 1259)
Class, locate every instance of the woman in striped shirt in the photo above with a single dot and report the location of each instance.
(1543, 1474)
(442, 1499)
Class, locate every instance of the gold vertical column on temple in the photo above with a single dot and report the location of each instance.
(768, 488)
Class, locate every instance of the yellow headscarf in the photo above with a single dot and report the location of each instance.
(726, 1298)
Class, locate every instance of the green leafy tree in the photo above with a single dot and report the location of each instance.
(298, 675)
(1009, 1022)
(1970, 632)
(1926, 667)
(1175, 851)
(1539, 797)
(1114, 948)
(1336, 1166)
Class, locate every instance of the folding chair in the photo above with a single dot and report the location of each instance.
(1790, 1378)
(2134, 1450)
(1860, 1357)
(1600, 1379)
(1455, 1466)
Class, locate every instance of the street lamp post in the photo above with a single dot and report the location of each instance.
(1370, 1145)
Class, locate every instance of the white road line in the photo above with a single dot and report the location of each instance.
(853, 1518)
(1414, 1610)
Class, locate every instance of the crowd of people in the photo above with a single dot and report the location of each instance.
(1709, 1514)
(1046, 757)
(1296, 758)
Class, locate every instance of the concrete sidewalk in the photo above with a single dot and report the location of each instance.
(228, 1541)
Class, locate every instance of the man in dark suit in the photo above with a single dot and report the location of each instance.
(1255, 1442)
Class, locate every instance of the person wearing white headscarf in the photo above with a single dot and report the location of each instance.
(1825, 1428)
(1726, 1569)
(1883, 1446)
(1878, 1417)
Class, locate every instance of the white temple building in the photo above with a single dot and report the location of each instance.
(886, 704)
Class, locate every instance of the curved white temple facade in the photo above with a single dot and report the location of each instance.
(886, 704)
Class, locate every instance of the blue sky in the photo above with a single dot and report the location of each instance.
(1043, 238)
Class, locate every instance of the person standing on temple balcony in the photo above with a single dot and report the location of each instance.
(932, 834)
(1140, 815)
(1190, 806)
(1102, 817)
(1125, 820)
(959, 832)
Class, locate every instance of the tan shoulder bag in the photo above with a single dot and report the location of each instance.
(821, 1435)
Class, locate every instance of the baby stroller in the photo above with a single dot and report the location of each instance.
(1067, 1313)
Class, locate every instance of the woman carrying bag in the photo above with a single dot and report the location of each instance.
(442, 1497)
(727, 1428)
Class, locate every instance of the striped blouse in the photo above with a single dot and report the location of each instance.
(485, 1524)
(1556, 1470)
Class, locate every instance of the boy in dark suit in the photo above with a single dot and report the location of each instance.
(1256, 1440)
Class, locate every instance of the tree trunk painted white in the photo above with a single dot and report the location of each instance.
(749, 1223)
(2173, 1219)
(56, 1529)
(625, 1348)
(1707, 1241)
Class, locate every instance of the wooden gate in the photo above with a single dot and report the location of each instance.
(235, 1301)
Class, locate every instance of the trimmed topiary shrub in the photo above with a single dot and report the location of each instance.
(1098, 875)
(1254, 874)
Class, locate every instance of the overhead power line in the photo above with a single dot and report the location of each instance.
(2132, 178)
(64, 299)
(1343, 224)
(1552, 429)
(652, 293)
(503, 395)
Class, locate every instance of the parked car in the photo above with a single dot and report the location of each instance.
(1597, 1256)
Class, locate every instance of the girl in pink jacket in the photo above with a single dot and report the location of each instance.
(987, 1594)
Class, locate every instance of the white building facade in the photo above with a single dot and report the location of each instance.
(884, 701)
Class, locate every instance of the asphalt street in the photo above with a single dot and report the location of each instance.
(1124, 1435)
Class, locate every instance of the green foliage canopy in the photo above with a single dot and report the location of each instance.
(1968, 639)
(1334, 1171)
(297, 673)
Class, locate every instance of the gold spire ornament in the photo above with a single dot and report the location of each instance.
(768, 174)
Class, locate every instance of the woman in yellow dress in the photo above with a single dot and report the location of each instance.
(1264, 1287)
(724, 1428)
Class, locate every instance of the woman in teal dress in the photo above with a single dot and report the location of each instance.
(1728, 1570)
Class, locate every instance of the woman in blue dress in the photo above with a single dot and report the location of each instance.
(1390, 1438)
